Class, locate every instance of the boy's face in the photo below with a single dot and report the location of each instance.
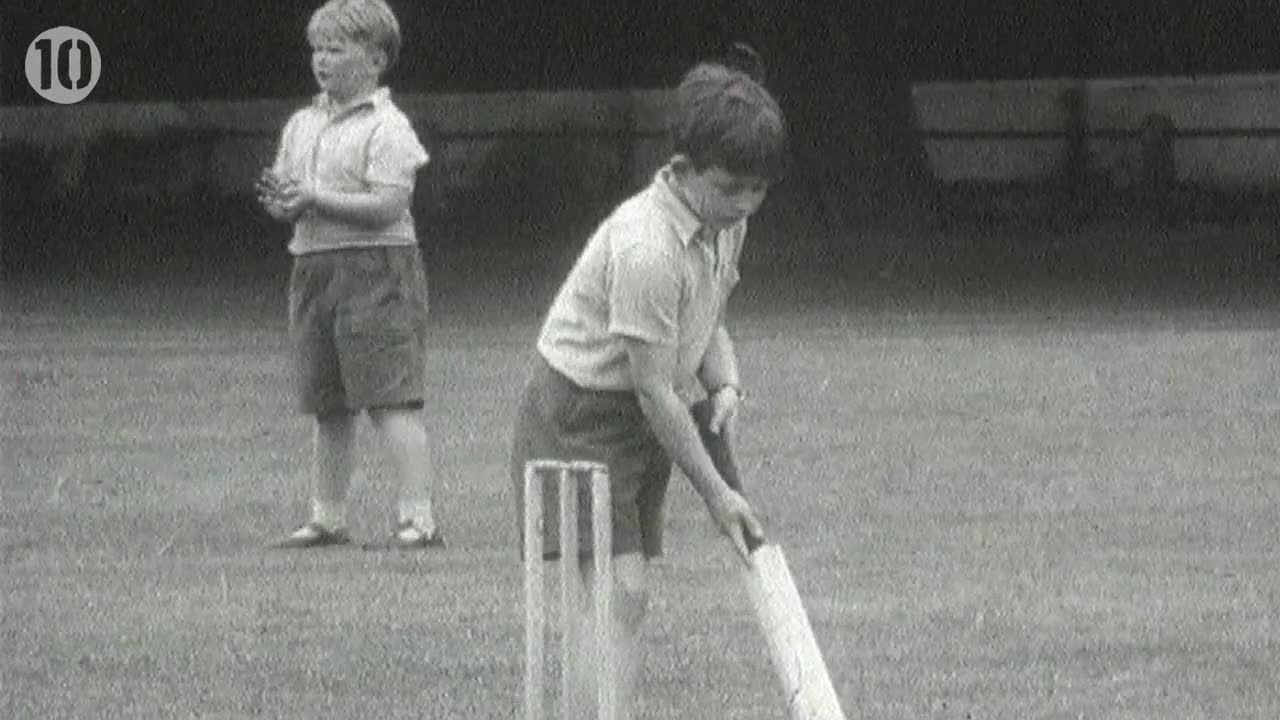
(344, 68)
(720, 198)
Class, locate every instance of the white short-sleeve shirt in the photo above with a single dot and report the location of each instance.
(653, 272)
(348, 149)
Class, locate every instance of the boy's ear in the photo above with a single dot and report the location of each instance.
(682, 164)
(744, 58)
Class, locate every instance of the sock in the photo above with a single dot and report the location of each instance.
(418, 513)
(329, 514)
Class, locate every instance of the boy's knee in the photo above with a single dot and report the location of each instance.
(631, 590)
(335, 427)
(630, 606)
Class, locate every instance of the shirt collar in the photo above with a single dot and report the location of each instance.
(687, 224)
(372, 100)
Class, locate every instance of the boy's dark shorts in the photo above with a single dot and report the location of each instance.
(558, 420)
(357, 324)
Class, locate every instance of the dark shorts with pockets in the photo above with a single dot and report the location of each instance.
(558, 420)
(357, 325)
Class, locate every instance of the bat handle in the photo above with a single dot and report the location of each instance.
(720, 447)
(754, 542)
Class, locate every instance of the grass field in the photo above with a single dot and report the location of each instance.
(1023, 493)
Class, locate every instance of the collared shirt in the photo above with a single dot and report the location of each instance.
(652, 272)
(348, 149)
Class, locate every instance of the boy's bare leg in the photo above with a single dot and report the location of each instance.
(630, 603)
(405, 434)
(334, 464)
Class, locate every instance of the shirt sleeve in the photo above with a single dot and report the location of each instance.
(738, 240)
(283, 164)
(644, 290)
(395, 155)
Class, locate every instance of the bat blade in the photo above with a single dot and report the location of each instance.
(793, 650)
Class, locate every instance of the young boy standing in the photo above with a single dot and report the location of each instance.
(636, 336)
(344, 176)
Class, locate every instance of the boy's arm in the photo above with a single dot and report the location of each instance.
(718, 373)
(271, 181)
(276, 212)
(652, 367)
(394, 156)
(716, 415)
(719, 367)
(376, 207)
(268, 188)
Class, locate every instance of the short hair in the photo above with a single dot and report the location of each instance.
(369, 22)
(741, 56)
(724, 117)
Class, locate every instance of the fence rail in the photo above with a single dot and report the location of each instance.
(224, 142)
(1225, 129)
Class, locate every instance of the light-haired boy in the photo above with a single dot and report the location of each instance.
(636, 338)
(344, 176)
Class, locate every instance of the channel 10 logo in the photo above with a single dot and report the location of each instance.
(63, 65)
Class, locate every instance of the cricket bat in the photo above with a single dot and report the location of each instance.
(797, 661)
(793, 650)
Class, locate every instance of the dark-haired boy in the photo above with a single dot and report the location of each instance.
(636, 336)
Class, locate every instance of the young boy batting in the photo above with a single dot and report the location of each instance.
(635, 341)
(344, 176)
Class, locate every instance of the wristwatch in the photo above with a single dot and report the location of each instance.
(730, 386)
